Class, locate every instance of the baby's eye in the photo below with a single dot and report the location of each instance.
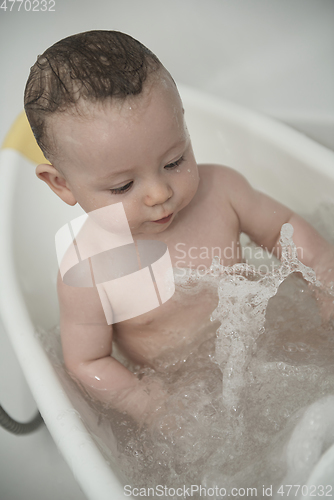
(122, 189)
(176, 163)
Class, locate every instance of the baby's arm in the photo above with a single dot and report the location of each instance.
(87, 347)
(261, 218)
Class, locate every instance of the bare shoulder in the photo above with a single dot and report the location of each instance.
(216, 171)
(220, 178)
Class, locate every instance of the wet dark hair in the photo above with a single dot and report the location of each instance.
(95, 66)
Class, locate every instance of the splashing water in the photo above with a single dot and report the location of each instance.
(243, 298)
(232, 419)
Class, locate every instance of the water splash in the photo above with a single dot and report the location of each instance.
(244, 294)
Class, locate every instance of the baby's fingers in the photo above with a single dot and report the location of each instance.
(325, 299)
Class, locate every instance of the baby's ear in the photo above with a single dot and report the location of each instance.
(56, 181)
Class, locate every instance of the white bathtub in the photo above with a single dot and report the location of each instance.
(275, 159)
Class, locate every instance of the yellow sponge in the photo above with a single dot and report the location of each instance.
(21, 138)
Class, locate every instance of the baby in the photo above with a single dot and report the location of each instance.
(108, 117)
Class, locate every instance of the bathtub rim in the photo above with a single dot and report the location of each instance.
(277, 133)
(60, 417)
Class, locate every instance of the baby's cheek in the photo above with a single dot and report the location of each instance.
(192, 178)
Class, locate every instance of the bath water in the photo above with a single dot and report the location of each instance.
(253, 405)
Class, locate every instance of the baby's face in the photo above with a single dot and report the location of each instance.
(137, 152)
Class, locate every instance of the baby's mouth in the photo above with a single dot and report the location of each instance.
(164, 220)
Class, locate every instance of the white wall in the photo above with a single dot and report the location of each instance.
(275, 56)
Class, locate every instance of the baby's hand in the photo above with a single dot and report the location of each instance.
(141, 401)
(151, 398)
(162, 410)
(325, 298)
(325, 292)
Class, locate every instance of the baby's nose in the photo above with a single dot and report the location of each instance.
(157, 193)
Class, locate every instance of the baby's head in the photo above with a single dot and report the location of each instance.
(108, 117)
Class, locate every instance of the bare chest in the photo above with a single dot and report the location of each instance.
(180, 324)
(207, 231)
